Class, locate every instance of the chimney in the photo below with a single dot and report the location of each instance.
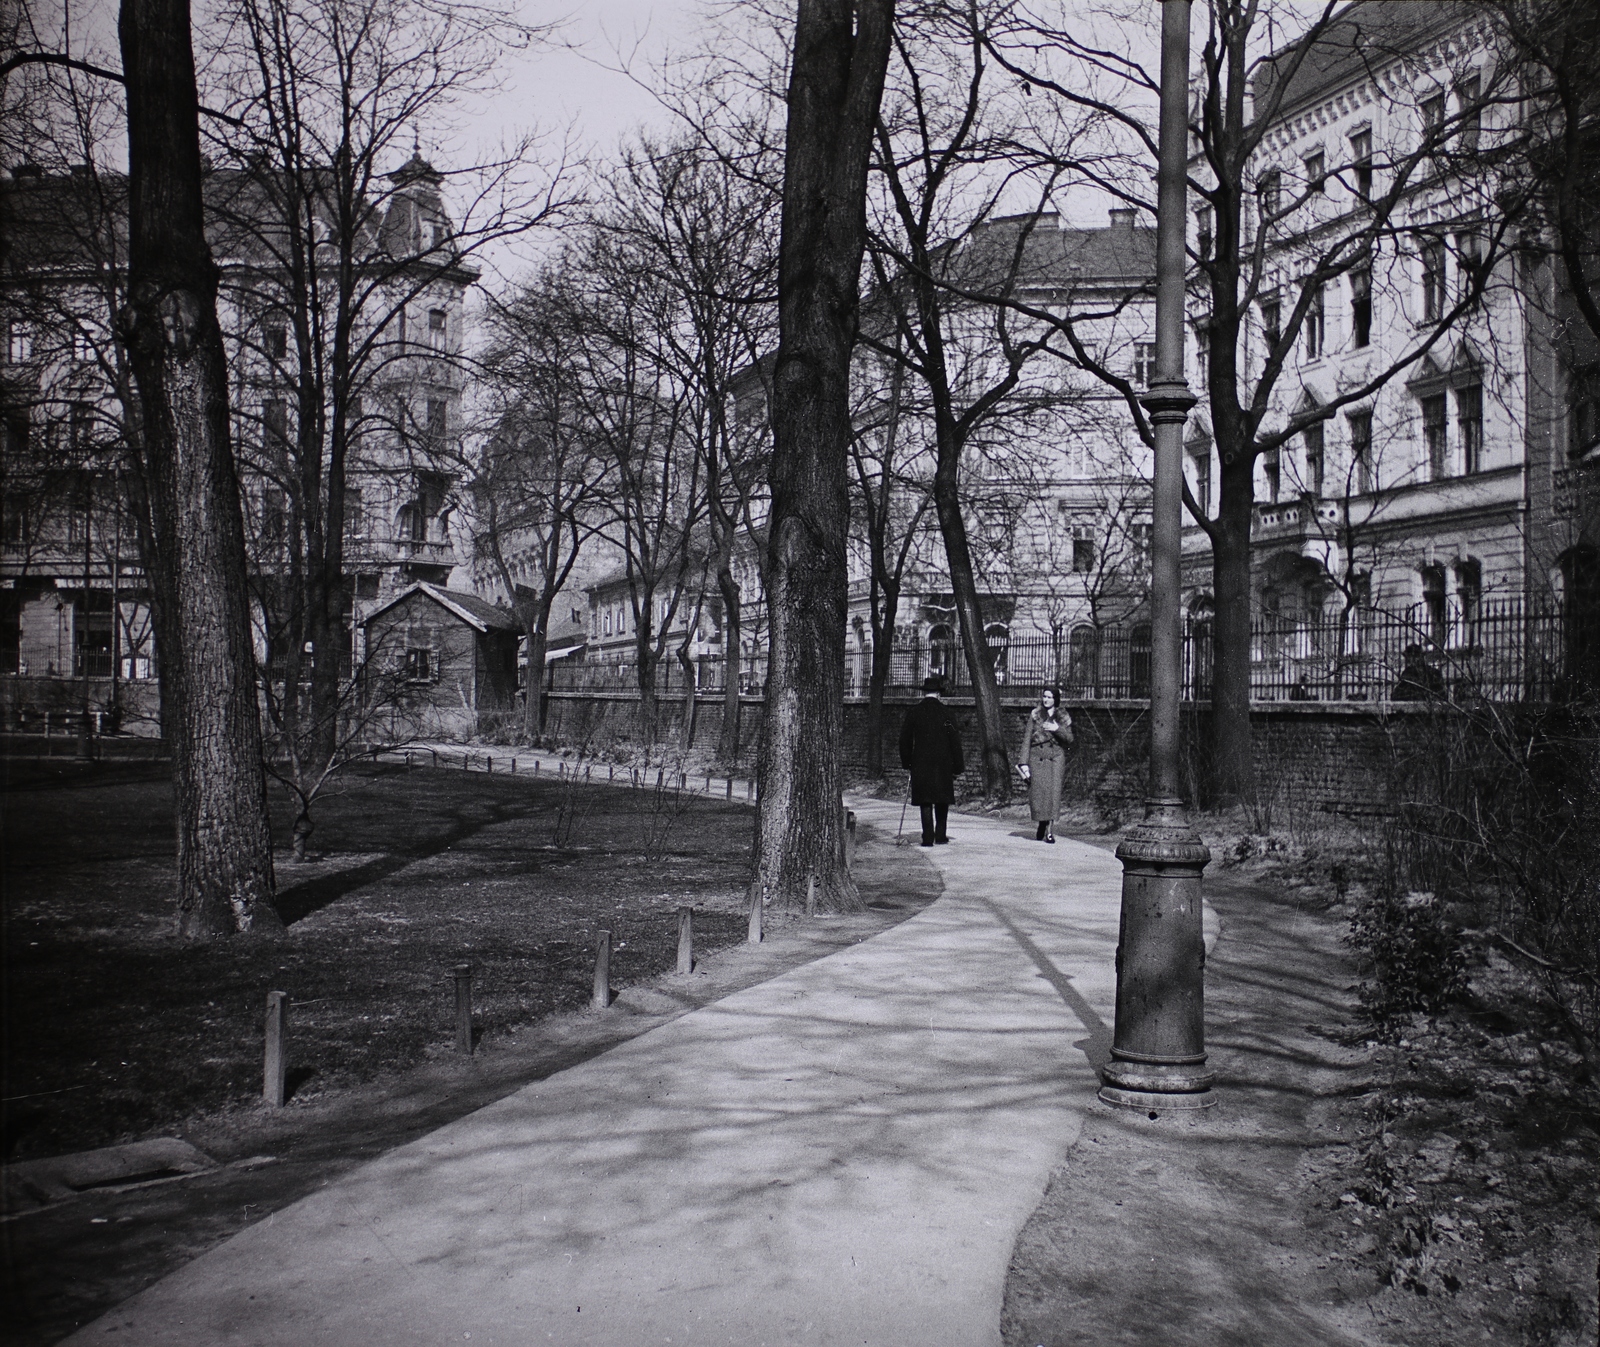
(1122, 220)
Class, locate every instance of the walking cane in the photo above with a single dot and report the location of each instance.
(903, 806)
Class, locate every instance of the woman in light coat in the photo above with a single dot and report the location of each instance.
(1044, 761)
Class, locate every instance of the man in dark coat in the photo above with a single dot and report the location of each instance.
(930, 749)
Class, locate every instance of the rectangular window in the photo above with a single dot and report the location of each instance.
(1469, 261)
(1469, 112)
(438, 421)
(1361, 306)
(1361, 163)
(1432, 280)
(1273, 472)
(1203, 230)
(1361, 452)
(355, 522)
(1316, 166)
(82, 345)
(1082, 555)
(1469, 419)
(1270, 186)
(1202, 353)
(1312, 438)
(436, 328)
(275, 423)
(1433, 436)
(419, 665)
(80, 427)
(1200, 463)
(276, 340)
(1271, 322)
(274, 518)
(1315, 328)
(1144, 362)
(19, 343)
(1432, 110)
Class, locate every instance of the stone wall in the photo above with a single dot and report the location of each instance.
(1335, 757)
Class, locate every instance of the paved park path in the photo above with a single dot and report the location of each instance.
(842, 1155)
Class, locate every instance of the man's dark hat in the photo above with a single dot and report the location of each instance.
(933, 684)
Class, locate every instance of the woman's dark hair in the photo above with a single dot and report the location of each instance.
(1053, 691)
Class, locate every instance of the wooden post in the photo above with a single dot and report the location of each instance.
(757, 902)
(602, 971)
(462, 973)
(272, 1075)
(536, 766)
(611, 772)
(686, 940)
(586, 773)
(811, 893)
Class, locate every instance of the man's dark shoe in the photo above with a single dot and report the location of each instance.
(941, 840)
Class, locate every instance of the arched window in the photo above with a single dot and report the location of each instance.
(997, 646)
(941, 651)
(1083, 662)
(1434, 616)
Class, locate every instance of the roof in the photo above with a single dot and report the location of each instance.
(475, 612)
(1363, 37)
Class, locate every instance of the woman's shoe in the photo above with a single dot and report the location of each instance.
(1050, 838)
(1043, 829)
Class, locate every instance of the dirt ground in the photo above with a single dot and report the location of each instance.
(1427, 1186)
(441, 862)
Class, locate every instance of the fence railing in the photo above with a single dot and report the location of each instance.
(1502, 651)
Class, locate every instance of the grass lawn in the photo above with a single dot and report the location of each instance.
(114, 1029)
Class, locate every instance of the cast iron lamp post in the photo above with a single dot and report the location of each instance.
(1158, 1053)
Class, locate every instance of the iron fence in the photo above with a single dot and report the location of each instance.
(1502, 651)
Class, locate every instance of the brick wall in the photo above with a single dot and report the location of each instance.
(1339, 757)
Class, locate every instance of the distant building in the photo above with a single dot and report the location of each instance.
(73, 598)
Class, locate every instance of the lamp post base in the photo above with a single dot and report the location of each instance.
(1158, 1056)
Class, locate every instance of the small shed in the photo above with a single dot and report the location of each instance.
(439, 664)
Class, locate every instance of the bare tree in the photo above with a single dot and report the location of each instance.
(701, 225)
(197, 557)
(947, 163)
(533, 482)
(346, 271)
(1267, 249)
(841, 52)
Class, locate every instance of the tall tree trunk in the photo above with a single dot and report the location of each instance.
(538, 634)
(883, 627)
(834, 91)
(225, 881)
(732, 631)
(1232, 773)
(985, 692)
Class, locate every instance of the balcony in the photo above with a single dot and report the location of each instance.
(1307, 517)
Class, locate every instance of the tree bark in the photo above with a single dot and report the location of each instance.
(732, 655)
(969, 608)
(1232, 774)
(225, 879)
(834, 91)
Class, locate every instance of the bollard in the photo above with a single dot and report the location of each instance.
(435, 753)
(661, 778)
(408, 762)
(272, 1076)
(730, 788)
(465, 757)
(811, 893)
(602, 971)
(586, 774)
(611, 772)
(462, 973)
(686, 940)
(536, 766)
(749, 790)
(708, 783)
(757, 902)
(849, 839)
(513, 766)
(488, 763)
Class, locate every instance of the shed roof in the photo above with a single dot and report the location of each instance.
(469, 608)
